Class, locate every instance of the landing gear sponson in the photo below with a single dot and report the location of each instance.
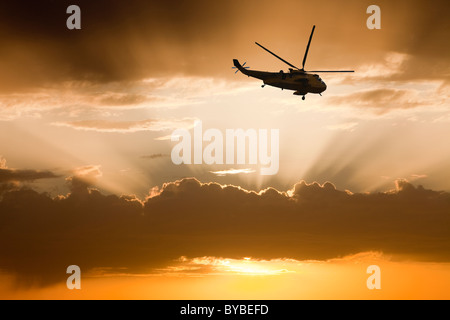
(298, 93)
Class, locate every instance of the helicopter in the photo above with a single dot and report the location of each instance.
(300, 80)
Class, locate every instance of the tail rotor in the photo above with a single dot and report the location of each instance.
(243, 65)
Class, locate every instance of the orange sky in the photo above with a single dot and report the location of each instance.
(86, 175)
(335, 279)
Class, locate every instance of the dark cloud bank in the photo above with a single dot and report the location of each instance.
(132, 40)
(40, 236)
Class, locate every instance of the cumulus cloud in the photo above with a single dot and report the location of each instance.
(84, 177)
(41, 235)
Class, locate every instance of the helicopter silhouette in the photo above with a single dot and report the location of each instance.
(299, 80)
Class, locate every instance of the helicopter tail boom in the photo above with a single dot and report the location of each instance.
(240, 68)
(262, 75)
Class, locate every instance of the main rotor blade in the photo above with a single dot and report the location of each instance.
(330, 71)
(289, 64)
(307, 47)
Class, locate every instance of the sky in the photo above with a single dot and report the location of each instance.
(87, 177)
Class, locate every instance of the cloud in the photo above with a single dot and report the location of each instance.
(222, 173)
(102, 101)
(155, 156)
(42, 235)
(122, 99)
(419, 176)
(223, 266)
(346, 126)
(83, 177)
(259, 267)
(388, 68)
(106, 102)
(127, 126)
(2, 163)
(382, 100)
(24, 175)
(444, 118)
(162, 58)
(152, 38)
(8, 175)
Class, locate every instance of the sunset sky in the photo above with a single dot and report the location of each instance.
(86, 176)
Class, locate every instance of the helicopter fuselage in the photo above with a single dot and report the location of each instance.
(299, 81)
